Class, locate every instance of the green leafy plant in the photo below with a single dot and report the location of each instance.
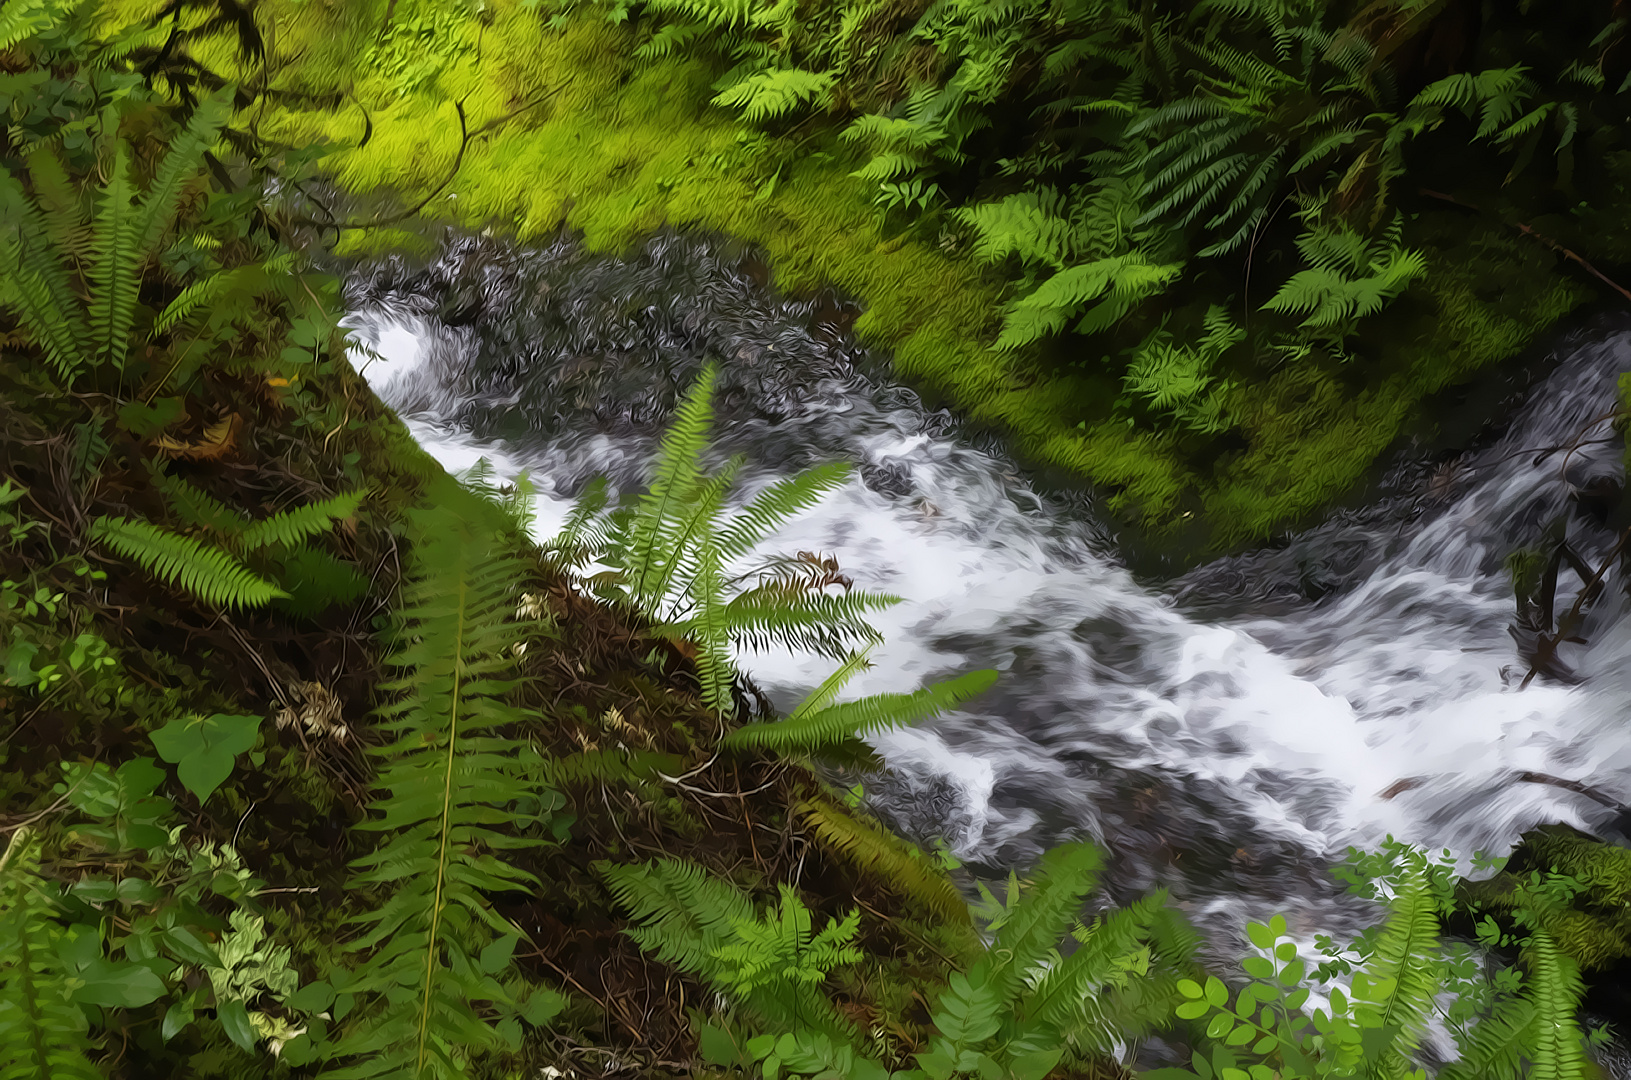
(1349, 276)
(1397, 974)
(214, 574)
(203, 748)
(669, 555)
(433, 953)
(43, 1034)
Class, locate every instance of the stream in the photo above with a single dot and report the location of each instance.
(1227, 734)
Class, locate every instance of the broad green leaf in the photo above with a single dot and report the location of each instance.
(183, 942)
(203, 748)
(311, 998)
(235, 1022)
(118, 985)
(176, 1017)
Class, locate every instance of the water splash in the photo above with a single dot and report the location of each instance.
(1226, 749)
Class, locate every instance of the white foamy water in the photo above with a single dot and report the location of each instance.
(1270, 741)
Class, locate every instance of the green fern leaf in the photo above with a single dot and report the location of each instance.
(208, 573)
(448, 779)
(22, 19)
(198, 507)
(116, 261)
(766, 95)
(37, 286)
(1555, 991)
(887, 858)
(807, 731)
(42, 1033)
(1495, 1048)
(292, 526)
(1064, 877)
(688, 918)
(777, 504)
(180, 165)
(63, 205)
(1405, 971)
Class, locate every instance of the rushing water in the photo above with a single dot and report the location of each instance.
(1228, 735)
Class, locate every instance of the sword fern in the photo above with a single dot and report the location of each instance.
(42, 1032)
(453, 789)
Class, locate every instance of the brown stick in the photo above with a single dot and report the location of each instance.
(1530, 232)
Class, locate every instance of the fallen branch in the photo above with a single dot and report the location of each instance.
(1530, 232)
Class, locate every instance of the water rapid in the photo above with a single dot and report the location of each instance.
(1227, 735)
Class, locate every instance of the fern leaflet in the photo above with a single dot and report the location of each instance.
(208, 573)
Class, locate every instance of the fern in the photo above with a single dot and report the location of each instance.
(448, 777)
(668, 555)
(180, 166)
(690, 920)
(1556, 991)
(1349, 277)
(1495, 1049)
(36, 285)
(887, 858)
(1405, 970)
(1118, 282)
(1061, 1000)
(809, 728)
(42, 1033)
(1496, 95)
(116, 258)
(197, 507)
(290, 527)
(782, 946)
(1060, 882)
(210, 574)
(766, 95)
(22, 19)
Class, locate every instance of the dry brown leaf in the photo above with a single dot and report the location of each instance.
(216, 442)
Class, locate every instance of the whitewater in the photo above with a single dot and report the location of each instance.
(1228, 734)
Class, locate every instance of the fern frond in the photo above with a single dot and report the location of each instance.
(1405, 970)
(769, 94)
(208, 573)
(42, 1033)
(1495, 1049)
(36, 285)
(197, 507)
(116, 261)
(22, 19)
(1064, 877)
(806, 731)
(1555, 990)
(683, 913)
(1057, 995)
(448, 780)
(887, 857)
(776, 504)
(292, 526)
(687, 918)
(62, 204)
(679, 469)
(1029, 225)
(181, 164)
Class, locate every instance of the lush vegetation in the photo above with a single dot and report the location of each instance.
(507, 819)
(1155, 242)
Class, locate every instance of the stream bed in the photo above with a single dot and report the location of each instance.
(1227, 734)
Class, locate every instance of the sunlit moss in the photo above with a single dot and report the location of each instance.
(568, 129)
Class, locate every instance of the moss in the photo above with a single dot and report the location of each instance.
(571, 130)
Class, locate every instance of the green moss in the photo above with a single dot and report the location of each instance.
(572, 131)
